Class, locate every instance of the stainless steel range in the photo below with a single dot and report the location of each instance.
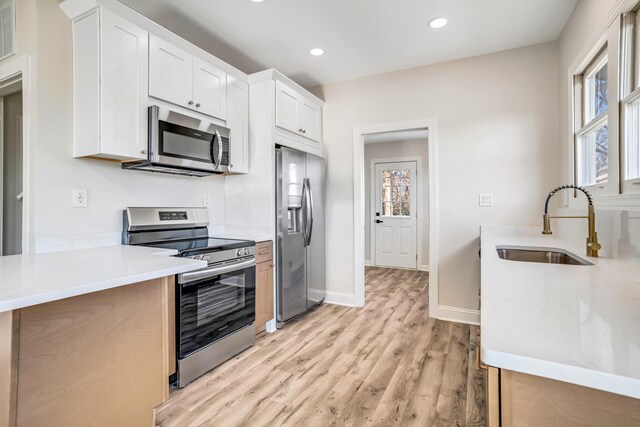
(215, 306)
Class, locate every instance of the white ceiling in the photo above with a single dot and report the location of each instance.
(405, 135)
(360, 37)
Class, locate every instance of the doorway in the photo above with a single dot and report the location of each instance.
(365, 231)
(11, 168)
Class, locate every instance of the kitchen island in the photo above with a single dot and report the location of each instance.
(563, 338)
(85, 335)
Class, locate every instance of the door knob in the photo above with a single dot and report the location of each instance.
(379, 221)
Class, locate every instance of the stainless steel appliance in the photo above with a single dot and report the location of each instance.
(300, 248)
(215, 306)
(183, 145)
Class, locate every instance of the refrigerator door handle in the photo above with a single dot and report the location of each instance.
(310, 211)
(305, 212)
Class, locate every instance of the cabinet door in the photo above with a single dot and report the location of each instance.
(170, 73)
(124, 74)
(238, 122)
(264, 294)
(209, 89)
(310, 121)
(287, 108)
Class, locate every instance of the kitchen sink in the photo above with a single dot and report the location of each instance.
(539, 254)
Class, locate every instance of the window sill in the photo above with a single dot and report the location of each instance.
(609, 201)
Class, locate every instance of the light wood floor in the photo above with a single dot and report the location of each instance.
(385, 364)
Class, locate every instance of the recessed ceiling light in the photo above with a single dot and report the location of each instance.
(316, 52)
(438, 22)
(257, 1)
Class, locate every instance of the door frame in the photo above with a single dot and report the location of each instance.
(20, 68)
(418, 201)
(359, 203)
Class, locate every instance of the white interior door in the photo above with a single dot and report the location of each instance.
(395, 214)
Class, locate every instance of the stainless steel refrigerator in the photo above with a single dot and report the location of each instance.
(300, 245)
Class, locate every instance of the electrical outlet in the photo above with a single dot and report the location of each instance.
(206, 201)
(485, 200)
(80, 198)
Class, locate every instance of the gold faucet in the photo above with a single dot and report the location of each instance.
(592, 241)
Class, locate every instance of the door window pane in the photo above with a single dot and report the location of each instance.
(396, 199)
(593, 156)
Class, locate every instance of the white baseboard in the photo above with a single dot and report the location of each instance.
(340, 298)
(460, 315)
(424, 268)
(367, 263)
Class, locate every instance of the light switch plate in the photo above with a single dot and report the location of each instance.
(80, 198)
(206, 200)
(485, 200)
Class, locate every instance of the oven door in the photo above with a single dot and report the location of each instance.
(213, 303)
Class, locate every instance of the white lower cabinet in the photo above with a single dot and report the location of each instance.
(110, 87)
(238, 122)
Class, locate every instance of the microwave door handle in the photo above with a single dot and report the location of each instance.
(185, 278)
(219, 160)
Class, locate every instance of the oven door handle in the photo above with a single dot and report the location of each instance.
(185, 278)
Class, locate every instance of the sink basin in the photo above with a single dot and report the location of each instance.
(538, 254)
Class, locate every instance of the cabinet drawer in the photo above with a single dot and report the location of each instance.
(264, 252)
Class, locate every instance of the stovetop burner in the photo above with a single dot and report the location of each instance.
(211, 244)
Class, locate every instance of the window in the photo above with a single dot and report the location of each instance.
(630, 105)
(396, 200)
(592, 142)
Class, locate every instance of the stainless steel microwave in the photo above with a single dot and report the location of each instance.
(184, 145)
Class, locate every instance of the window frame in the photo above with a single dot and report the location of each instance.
(605, 48)
(629, 90)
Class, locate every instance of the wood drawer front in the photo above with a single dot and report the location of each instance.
(264, 252)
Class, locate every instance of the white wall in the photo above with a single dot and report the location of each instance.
(55, 172)
(618, 229)
(398, 149)
(497, 121)
(578, 32)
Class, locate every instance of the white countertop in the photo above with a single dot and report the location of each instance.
(27, 280)
(578, 324)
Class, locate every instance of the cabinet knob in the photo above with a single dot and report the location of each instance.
(304, 131)
(143, 151)
(198, 105)
(300, 130)
(190, 102)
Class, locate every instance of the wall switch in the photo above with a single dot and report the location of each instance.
(206, 201)
(485, 200)
(80, 198)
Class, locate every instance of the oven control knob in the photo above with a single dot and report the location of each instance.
(239, 252)
(246, 252)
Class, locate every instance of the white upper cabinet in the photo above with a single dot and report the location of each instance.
(180, 78)
(110, 87)
(293, 113)
(209, 89)
(238, 122)
(170, 73)
(297, 114)
(310, 119)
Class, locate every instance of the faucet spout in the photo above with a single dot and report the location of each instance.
(592, 240)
